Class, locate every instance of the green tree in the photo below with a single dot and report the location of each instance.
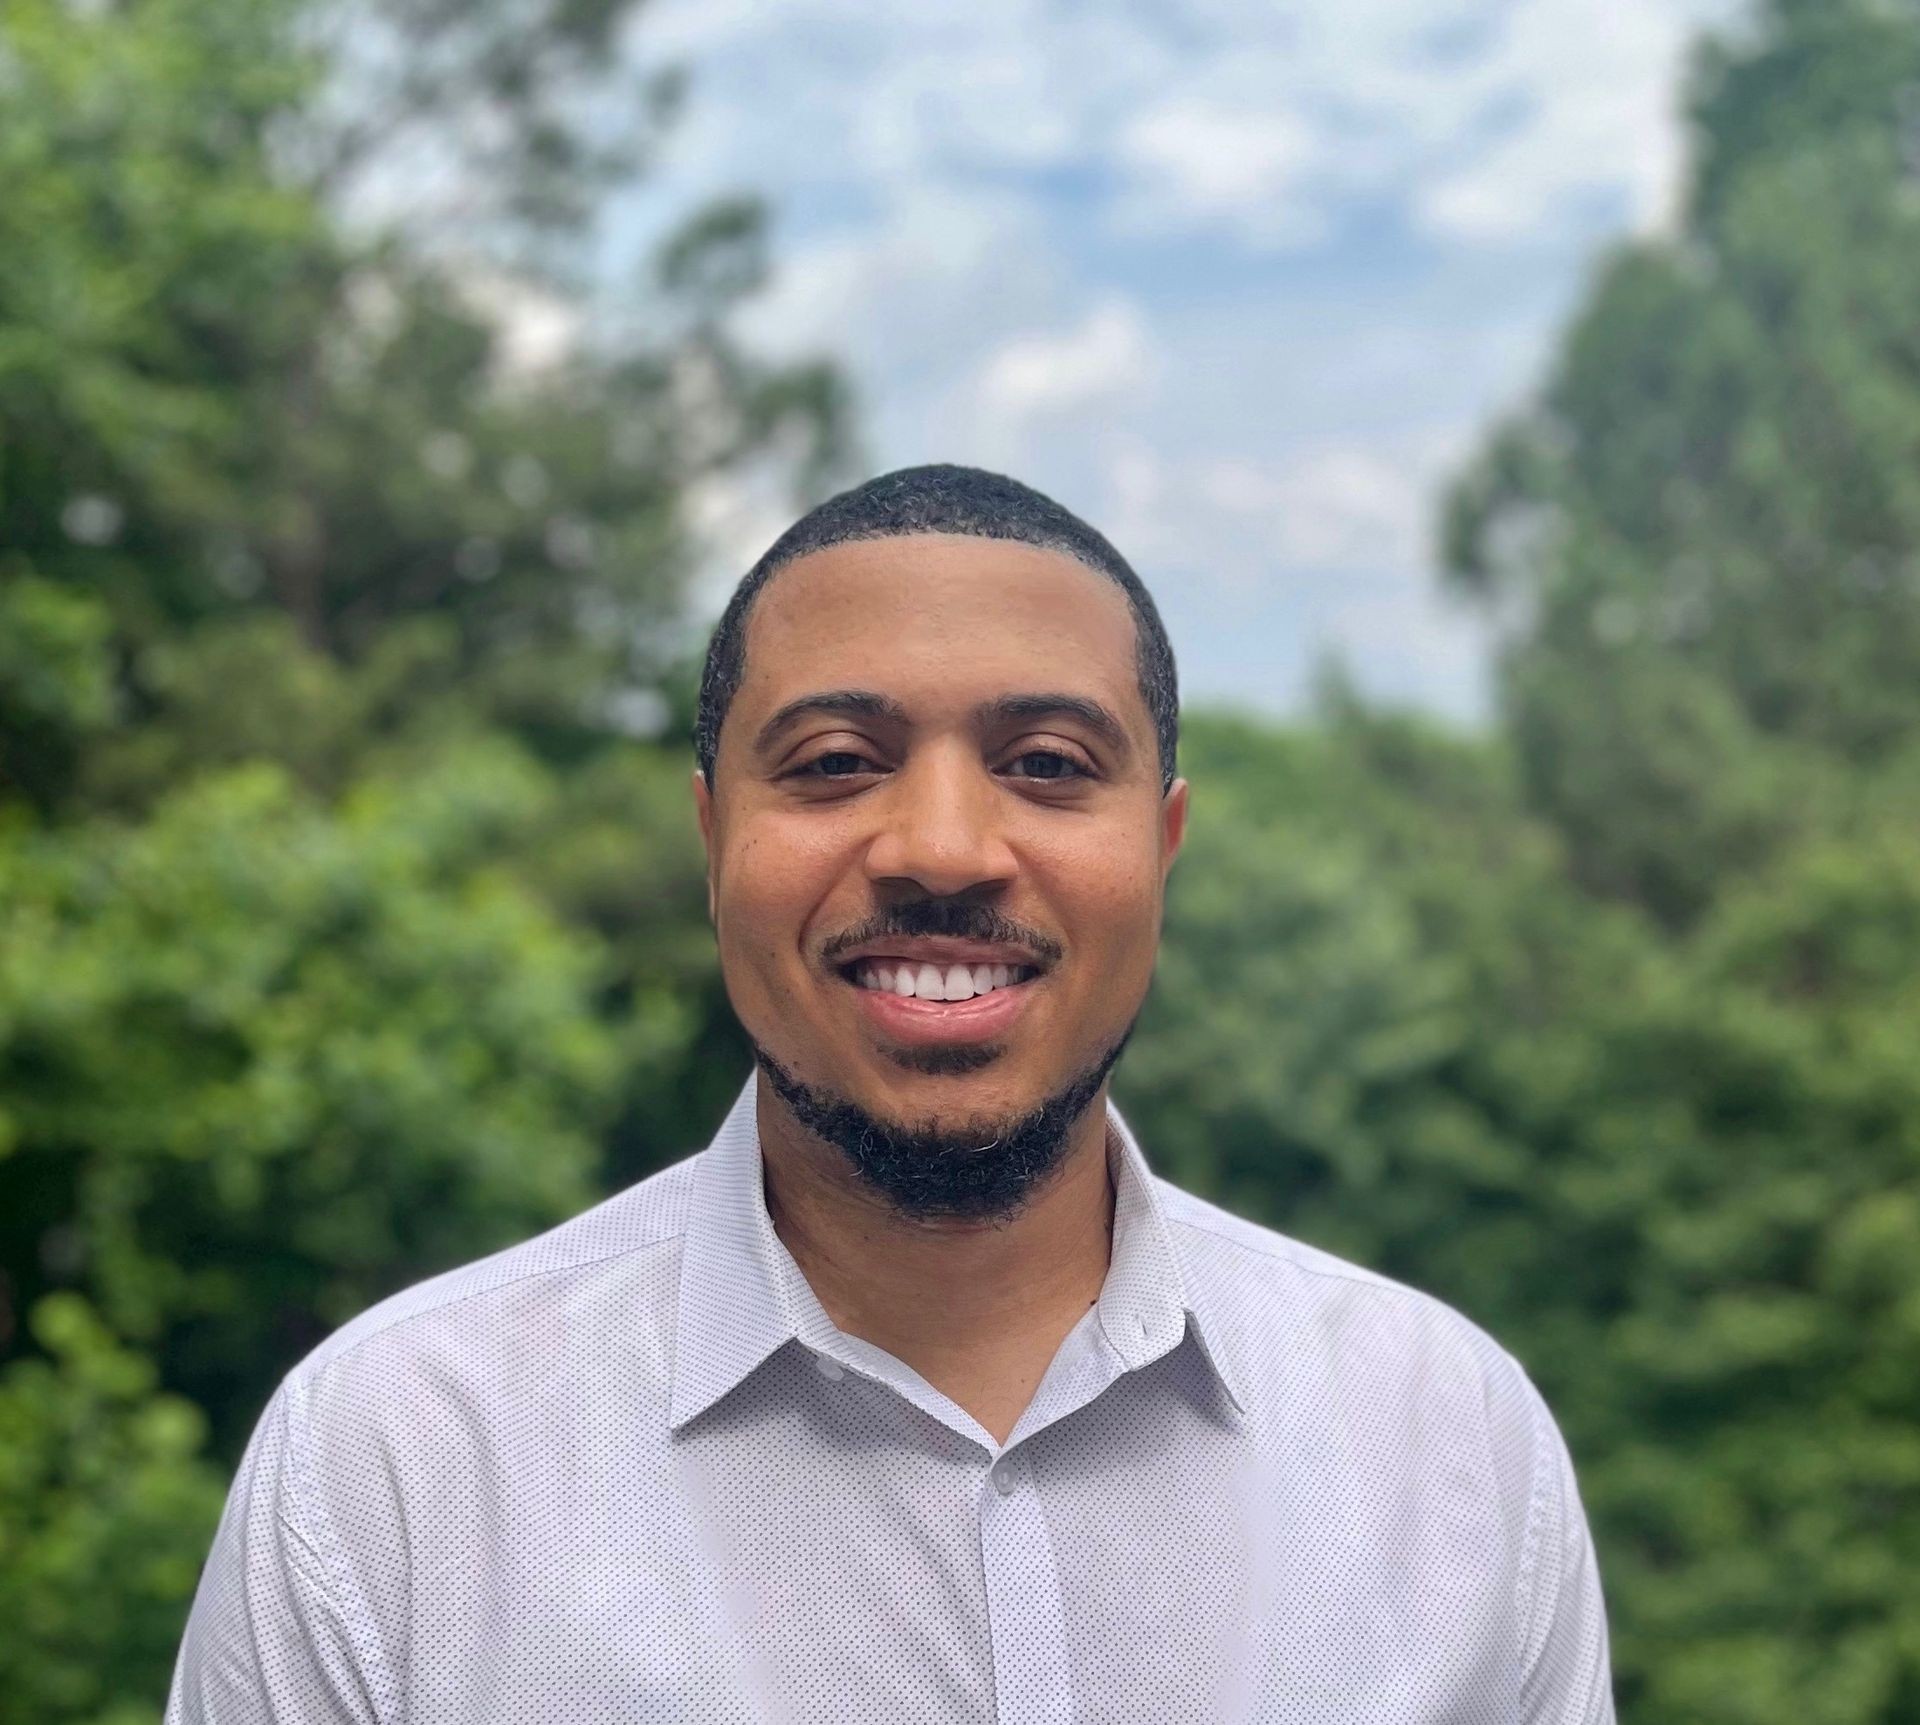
(344, 934)
(1678, 1176)
(1705, 534)
(1374, 1021)
(105, 1506)
(227, 386)
(259, 1058)
(1704, 541)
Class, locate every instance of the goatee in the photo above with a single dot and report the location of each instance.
(979, 1169)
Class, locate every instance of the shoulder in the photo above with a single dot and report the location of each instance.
(402, 1433)
(1430, 1421)
(1310, 1325)
(1263, 1272)
(496, 1322)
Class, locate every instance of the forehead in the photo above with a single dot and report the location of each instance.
(997, 609)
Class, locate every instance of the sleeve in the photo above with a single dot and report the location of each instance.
(1565, 1674)
(267, 1642)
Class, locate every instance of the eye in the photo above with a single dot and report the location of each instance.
(1053, 765)
(1042, 766)
(819, 767)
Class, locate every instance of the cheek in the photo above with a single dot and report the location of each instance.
(1107, 895)
(771, 884)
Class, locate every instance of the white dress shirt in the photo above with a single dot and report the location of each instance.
(631, 1471)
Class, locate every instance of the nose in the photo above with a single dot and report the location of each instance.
(941, 825)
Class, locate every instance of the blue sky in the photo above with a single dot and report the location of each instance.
(1241, 281)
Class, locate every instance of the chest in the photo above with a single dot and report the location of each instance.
(824, 1552)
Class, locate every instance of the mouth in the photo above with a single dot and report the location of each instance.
(916, 1003)
(912, 979)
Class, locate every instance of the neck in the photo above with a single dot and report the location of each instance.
(977, 1309)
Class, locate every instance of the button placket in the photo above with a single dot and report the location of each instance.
(1033, 1681)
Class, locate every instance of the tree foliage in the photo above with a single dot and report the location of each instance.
(218, 396)
(344, 531)
(1680, 1177)
(1704, 541)
(352, 921)
(105, 1505)
(1706, 532)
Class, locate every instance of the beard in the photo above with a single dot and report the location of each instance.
(980, 1170)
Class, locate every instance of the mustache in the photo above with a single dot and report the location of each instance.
(953, 919)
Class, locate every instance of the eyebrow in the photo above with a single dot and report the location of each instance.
(866, 704)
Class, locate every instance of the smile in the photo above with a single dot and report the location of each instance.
(938, 982)
(942, 1013)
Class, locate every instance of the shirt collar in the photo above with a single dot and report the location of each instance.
(1151, 1287)
(742, 1296)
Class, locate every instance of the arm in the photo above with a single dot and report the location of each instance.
(1565, 1677)
(268, 1641)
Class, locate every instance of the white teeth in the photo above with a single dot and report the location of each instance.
(932, 982)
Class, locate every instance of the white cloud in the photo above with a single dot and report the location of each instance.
(1136, 255)
(1403, 639)
(535, 332)
(1591, 85)
(1256, 119)
(1107, 356)
(1333, 508)
(932, 272)
(1194, 164)
(734, 518)
(1244, 522)
(1263, 571)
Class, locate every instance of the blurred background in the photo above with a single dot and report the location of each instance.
(1515, 407)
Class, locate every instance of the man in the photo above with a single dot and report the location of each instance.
(916, 1396)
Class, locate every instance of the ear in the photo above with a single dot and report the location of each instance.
(703, 812)
(1173, 825)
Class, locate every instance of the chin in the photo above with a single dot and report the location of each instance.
(952, 1147)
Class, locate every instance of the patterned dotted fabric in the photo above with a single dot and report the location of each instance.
(630, 1471)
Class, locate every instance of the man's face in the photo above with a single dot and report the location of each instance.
(931, 822)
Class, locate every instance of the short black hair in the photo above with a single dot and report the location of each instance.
(940, 499)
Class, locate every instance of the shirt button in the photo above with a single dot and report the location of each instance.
(1005, 1478)
(831, 1370)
